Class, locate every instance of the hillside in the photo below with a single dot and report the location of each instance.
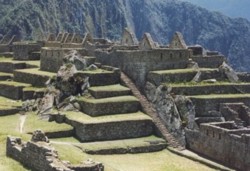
(231, 8)
(33, 19)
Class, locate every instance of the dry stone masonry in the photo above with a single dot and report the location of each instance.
(195, 100)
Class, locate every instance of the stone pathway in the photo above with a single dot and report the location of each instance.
(149, 109)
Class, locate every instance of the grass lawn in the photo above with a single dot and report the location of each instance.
(33, 122)
(116, 87)
(9, 126)
(158, 161)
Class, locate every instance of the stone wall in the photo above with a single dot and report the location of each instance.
(222, 143)
(52, 58)
(41, 156)
(209, 61)
(136, 64)
(23, 50)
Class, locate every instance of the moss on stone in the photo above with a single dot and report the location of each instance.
(177, 71)
(221, 96)
(16, 84)
(83, 118)
(116, 87)
(37, 71)
(110, 99)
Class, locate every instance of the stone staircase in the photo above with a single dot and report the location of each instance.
(206, 95)
(109, 114)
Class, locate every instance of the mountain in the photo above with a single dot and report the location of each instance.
(232, 8)
(33, 19)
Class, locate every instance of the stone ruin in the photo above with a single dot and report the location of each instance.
(38, 154)
(197, 95)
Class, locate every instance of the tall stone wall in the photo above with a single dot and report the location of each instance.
(41, 156)
(227, 145)
(136, 64)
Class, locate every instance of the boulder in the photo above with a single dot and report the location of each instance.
(229, 72)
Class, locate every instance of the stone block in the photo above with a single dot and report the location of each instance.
(24, 50)
(35, 77)
(10, 66)
(109, 91)
(122, 129)
(12, 90)
(99, 78)
(113, 105)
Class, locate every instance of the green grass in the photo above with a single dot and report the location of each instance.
(16, 84)
(158, 161)
(9, 126)
(117, 144)
(83, 118)
(176, 71)
(221, 96)
(116, 87)
(5, 74)
(97, 71)
(36, 89)
(33, 122)
(200, 84)
(6, 103)
(110, 99)
(37, 71)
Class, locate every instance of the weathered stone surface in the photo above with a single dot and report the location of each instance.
(229, 72)
(45, 105)
(176, 112)
(43, 157)
(223, 142)
(113, 105)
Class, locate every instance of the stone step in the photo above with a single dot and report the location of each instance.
(112, 127)
(101, 77)
(9, 106)
(51, 129)
(135, 145)
(32, 93)
(7, 54)
(5, 76)
(212, 102)
(109, 91)
(209, 88)
(33, 76)
(182, 75)
(12, 90)
(8, 65)
(108, 106)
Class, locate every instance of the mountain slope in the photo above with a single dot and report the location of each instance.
(33, 19)
(232, 8)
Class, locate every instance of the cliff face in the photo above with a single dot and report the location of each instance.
(33, 19)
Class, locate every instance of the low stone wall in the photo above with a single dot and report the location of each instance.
(222, 145)
(113, 130)
(10, 67)
(102, 108)
(204, 105)
(41, 156)
(209, 61)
